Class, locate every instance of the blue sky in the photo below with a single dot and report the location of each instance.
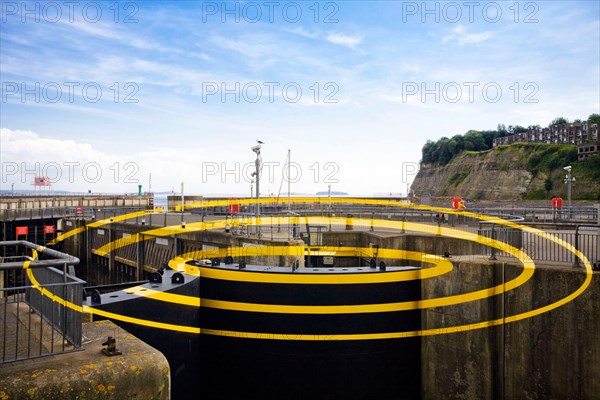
(181, 91)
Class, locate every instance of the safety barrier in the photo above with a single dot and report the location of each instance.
(35, 317)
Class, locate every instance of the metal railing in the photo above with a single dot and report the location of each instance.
(585, 238)
(43, 317)
(20, 214)
(66, 320)
(582, 214)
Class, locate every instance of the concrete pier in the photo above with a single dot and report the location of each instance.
(140, 372)
(555, 355)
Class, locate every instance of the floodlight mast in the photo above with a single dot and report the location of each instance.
(256, 149)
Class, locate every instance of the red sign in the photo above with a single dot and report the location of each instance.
(79, 210)
(456, 202)
(48, 229)
(233, 208)
(557, 202)
(22, 230)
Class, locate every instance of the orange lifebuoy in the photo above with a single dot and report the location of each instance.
(557, 202)
(456, 201)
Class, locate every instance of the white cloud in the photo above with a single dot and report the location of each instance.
(460, 35)
(344, 40)
(77, 166)
(99, 29)
(248, 47)
(303, 32)
(70, 165)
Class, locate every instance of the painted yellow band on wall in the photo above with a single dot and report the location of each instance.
(443, 231)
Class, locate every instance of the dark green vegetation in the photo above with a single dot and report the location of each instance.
(458, 178)
(530, 171)
(549, 160)
(588, 170)
(444, 150)
(548, 157)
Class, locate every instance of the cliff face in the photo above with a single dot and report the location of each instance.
(504, 173)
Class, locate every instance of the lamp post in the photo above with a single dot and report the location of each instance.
(182, 203)
(568, 180)
(251, 195)
(256, 173)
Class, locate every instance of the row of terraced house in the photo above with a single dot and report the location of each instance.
(584, 135)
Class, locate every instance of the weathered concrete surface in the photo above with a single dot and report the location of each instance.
(555, 355)
(141, 372)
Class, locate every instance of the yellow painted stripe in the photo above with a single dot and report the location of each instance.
(92, 310)
(440, 266)
(441, 231)
(164, 296)
(97, 224)
(220, 224)
(36, 285)
(355, 278)
(143, 322)
(525, 275)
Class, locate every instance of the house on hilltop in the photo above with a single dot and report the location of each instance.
(581, 134)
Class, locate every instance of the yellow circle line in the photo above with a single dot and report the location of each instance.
(144, 322)
(39, 287)
(441, 266)
(36, 285)
(96, 224)
(441, 231)
(525, 275)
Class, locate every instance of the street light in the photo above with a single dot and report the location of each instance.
(256, 173)
(568, 180)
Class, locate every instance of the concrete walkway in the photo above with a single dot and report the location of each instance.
(140, 372)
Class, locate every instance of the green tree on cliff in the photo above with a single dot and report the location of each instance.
(594, 119)
(559, 121)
